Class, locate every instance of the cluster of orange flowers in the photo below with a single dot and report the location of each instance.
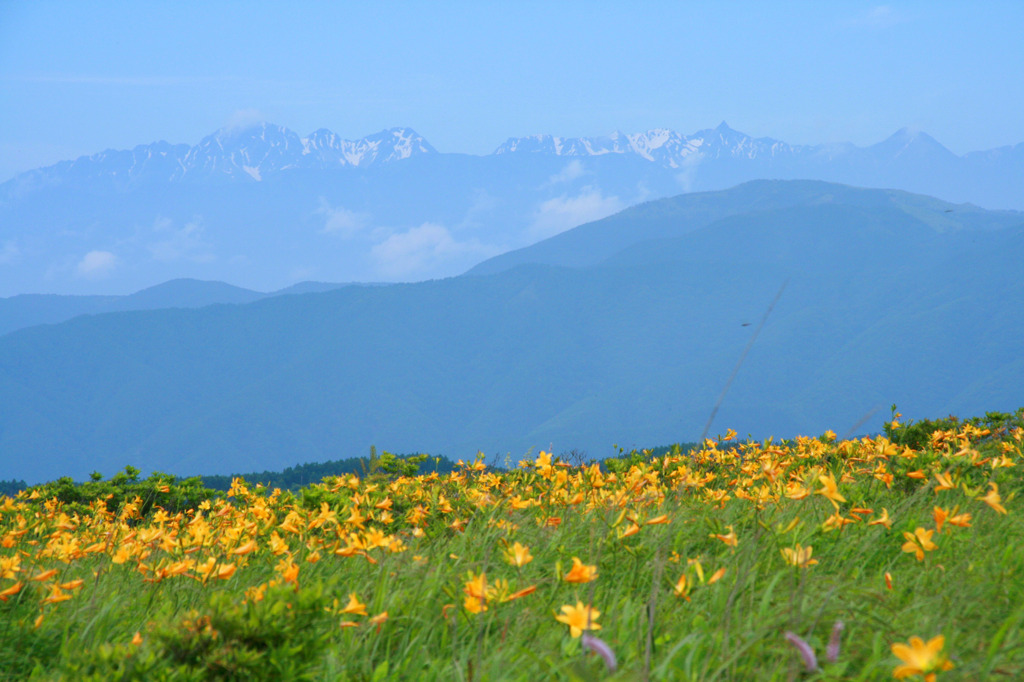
(58, 553)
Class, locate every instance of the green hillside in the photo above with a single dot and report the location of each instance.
(885, 302)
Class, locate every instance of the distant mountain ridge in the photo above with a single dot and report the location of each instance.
(245, 153)
(250, 152)
(654, 222)
(263, 207)
(662, 146)
(29, 310)
(620, 331)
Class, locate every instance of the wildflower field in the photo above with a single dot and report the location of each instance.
(900, 555)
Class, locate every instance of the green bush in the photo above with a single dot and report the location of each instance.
(918, 434)
(159, 490)
(280, 637)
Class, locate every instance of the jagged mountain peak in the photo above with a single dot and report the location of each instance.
(257, 150)
(254, 150)
(663, 146)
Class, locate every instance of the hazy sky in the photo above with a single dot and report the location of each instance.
(77, 78)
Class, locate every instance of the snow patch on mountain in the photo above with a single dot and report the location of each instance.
(248, 153)
(665, 147)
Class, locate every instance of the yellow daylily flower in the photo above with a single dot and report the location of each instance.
(354, 606)
(518, 555)
(944, 482)
(920, 658)
(799, 556)
(919, 542)
(579, 618)
(830, 490)
(993, 499)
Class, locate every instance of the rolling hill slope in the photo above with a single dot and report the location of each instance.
(889, 299)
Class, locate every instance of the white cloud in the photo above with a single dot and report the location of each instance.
(687, 171)
(879, 17)
(565, 212)
(484, 204)
(245, 118)
(9, 253)
(574, 169)
(427, 250)
(341, 221)
(186, 242)
(96, 264)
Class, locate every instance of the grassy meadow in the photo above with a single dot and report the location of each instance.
(899, 556)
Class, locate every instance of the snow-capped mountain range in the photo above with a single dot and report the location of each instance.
(252, 153)
(244, 153)
(662, 146)
(263, 207)
(269, 148)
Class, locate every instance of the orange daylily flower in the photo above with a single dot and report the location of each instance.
(883, 520)
(729, 538)
(354, 606)
(288, 569)
(9, 566)
(518, 555)
(45, 575)
(247, 548)
(993, 499)
(10, 591)
(56, 595)
(962, 520)
(682, 588)
(580, 573)
(716, 576)
(476, 593)
(795, 491)
(521, 593)
(633, 529)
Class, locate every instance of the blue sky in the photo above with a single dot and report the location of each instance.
(77, 78)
